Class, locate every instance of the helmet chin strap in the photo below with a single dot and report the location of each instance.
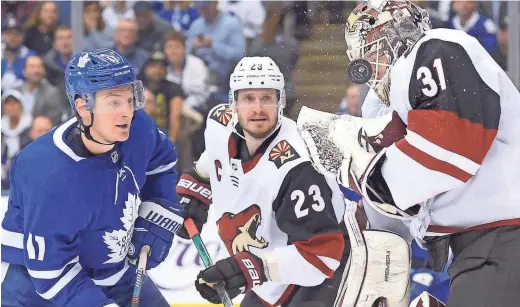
(86, 130)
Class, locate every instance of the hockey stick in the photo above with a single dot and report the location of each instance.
(141, 271)
(204, 255)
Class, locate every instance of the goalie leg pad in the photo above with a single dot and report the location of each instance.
(378, 268)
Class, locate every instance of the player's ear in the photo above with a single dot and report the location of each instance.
(81, 109)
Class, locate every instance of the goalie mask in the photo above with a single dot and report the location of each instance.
(256, 73)
(377, 33)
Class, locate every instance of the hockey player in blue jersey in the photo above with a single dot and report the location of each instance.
(75, 208)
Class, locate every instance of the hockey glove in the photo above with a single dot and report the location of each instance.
(194, 194)
(156, 225)
(361, 138)
(239, 273)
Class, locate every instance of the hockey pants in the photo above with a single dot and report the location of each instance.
(18, 291)
(485, 271)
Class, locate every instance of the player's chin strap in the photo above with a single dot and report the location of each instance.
(85, 129)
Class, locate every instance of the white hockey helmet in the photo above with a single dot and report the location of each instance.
(254, 73)
(377, 33)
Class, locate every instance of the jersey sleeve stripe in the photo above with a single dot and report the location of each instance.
(432, 163)
(442, 154)
(62, 282)
(162, 168)
(51, 274)
(453, 133)
(325, 245)
(12, 239)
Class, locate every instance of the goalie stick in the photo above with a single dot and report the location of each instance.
(141, 271)
(204, 255)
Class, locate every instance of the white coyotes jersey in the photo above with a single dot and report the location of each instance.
(274, 203)
(461, 154)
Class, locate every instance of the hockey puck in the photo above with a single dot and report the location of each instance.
(359, 71)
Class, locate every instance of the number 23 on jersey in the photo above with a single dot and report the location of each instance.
(314, 197)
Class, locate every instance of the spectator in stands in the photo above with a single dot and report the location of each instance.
(168, 95)
(115, 11)
(97, 33)
(17, 10)
(39, 96)
(250, 12)
(151, 29)
(186, 70)
(281, 48)
(41, 26)
(149, 102)
(218, 40)
(125, 39)
(64, 7)
(469, 20)
(14, 121)
(500, 51)
(57, 58)
(192, 75)
(180, 14)
(40, 125)
(351, 103)
(14, 54)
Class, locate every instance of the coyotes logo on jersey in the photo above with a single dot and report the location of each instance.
(238, 231)
(222, 115)
(281, 153)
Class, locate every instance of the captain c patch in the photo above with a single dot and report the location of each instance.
(222, 114)
(281, 153)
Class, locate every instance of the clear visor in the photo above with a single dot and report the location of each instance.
(124, 98)
(379, 54)
(263, 99)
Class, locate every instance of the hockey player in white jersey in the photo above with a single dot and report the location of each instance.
(278, 217)
(452, 175)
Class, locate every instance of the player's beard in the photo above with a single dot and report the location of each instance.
(259, 134)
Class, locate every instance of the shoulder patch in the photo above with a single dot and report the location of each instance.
(281, 153)
(222, 114)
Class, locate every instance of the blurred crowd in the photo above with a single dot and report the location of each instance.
(183, 51)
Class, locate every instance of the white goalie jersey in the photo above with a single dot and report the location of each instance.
(461, 153)
(274, 205)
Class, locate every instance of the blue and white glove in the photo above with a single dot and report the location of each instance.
(157, 223)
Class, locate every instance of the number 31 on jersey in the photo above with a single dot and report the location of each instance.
(425, 75)
(317, 203)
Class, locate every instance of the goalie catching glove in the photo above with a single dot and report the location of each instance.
(240, 273)
(194, 192)
(158, 221)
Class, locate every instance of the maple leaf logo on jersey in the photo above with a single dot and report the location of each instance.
(238, 231)
(222, 115)
(281, 153)
(118, 241)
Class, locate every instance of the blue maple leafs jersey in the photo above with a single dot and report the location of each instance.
(70, 219)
